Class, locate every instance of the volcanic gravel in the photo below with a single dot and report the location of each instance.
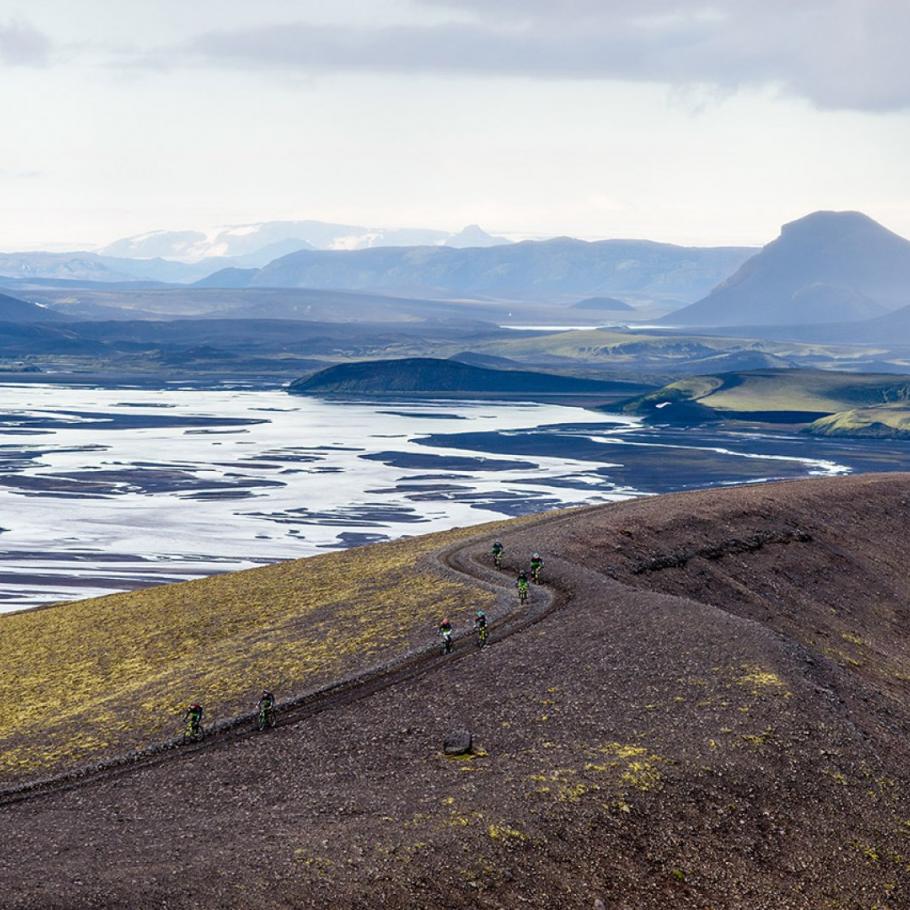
(713, 714)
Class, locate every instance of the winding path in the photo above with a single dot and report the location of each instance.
(461, 561)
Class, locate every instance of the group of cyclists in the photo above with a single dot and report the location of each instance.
(265, 709)
(522, 583)
(536, 562)
(192, 719)
(480, 629)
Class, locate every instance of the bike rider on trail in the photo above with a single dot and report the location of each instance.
(480, 627)
(445, 630)
(536, 566)
(497, 551)
(522, 585)
(266, 708)
(193, 718)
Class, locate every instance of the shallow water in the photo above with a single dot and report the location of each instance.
(106, 489)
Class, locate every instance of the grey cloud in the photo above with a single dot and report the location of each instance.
(23, 45)
(836, 53)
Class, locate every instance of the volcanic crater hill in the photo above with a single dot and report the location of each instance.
(712, 711)
(434, 376)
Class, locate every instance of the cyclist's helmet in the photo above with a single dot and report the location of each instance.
(445, 622)
(480, 613)
(266, 693)
(195, 706)
(522, 574)
(535, 555)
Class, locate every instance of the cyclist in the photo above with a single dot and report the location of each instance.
(536, 566)
(193, 719)
(445, 630)
(266, 708)
(497, 554)
(480, 627)
(522, 585)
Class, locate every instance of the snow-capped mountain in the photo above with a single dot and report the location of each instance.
(253, 245)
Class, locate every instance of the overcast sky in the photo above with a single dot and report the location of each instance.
(674, 120)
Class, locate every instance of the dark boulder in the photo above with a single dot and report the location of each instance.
(459, 742)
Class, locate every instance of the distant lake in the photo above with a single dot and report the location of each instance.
(112, 489)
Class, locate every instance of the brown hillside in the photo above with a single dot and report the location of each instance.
(715, 714)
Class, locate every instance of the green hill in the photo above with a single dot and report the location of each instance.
(432, 376)
(882, 422)
(774, 395)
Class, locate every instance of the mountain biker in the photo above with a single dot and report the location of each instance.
(445, 630)
(536, 566)
(480, 627)
(266, 708)
(497, 550)
(522, 585)
(193, 717)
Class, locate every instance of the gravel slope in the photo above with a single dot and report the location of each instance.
(714, 715)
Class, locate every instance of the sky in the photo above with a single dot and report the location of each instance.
(675, 120)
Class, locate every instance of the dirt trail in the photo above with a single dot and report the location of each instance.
(508, 618)
(712, 711)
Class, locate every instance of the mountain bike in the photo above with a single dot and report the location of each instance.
(447, 643)
(523, 593)
(266, 717)
(483, 633)
(193, 730)
(535, 574)
(497, 559)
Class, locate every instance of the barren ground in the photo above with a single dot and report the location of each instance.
(715, 715)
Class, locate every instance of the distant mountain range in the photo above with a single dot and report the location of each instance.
(259, 244)
(560, 270)
(183, 257)
(828, 267)
(26, 269)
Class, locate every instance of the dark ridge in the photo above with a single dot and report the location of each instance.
(428, 375)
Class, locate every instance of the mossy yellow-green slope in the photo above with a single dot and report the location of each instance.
(103, 675)
(769, 391)
(880, 422)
